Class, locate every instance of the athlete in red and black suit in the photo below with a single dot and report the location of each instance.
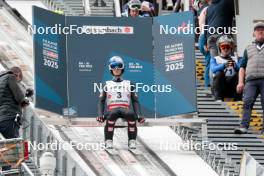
(118, 99)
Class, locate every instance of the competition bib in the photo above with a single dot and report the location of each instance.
(118, 94)
(229, 71)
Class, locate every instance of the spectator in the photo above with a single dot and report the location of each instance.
(203, 48)
(12, 99)
(99, 3)
(178, 7)
(167, 4)
(224, 68)
(201, 13)
(133, 8)
(252, 73)
(219, 13)
(147, 9)
(144, 9)
(202, 41)
(199, 5)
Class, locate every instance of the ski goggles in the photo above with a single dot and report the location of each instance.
(135, 6)
(224, 46)
(114, 66)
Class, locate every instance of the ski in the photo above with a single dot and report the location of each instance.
(135, 151)
(111, 151)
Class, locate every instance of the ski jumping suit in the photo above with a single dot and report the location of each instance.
(119, 98)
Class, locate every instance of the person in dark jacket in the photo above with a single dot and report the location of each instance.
(219, 19)
(12, 100)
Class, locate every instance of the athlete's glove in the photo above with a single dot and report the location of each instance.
(100, 119)
(226, 64)
(229, 64)
(141, 120)
(29, 92)
(25, 102)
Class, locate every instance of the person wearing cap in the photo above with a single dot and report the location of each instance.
(251, 76)
(224, 67)
(119, 100)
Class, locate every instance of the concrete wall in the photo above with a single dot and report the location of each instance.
(248, 12)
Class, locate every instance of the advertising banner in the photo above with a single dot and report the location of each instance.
(174, 63)
(159, 62)
(50, 61)
(88, 56)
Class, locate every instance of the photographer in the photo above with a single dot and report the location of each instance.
(12, 100)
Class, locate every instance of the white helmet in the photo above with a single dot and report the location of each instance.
(134, 4)
(116, 62)
(225, 39)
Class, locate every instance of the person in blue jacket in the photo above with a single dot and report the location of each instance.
(224, 68)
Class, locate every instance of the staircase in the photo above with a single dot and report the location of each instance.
(75, 6)
(223, 117)
(68, 7)
(102, 8)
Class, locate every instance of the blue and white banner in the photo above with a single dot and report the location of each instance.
(72, 53)
(174, 63)
(50, 62)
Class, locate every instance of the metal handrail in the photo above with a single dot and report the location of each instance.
(27, 169)
(117, 8)
(249, 165)
(206, 155)
(87, 9)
